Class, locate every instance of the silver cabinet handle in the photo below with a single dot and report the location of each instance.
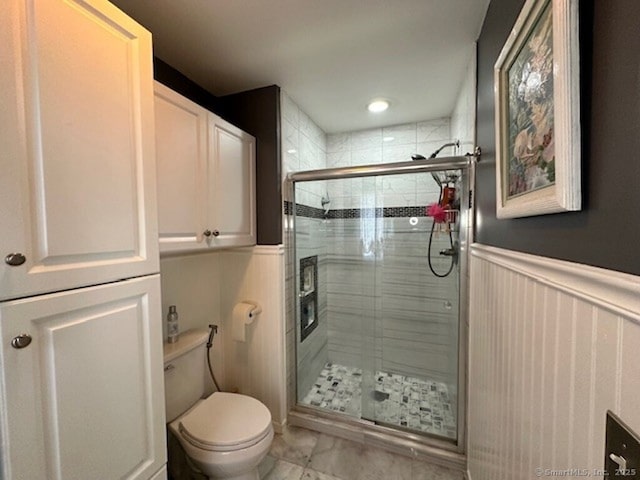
(216, 233)
(15, 259)
(21, 341)
(207, 233)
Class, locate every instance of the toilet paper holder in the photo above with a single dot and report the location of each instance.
(244, 314)
(257, 309)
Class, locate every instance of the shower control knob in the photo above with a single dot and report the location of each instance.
(15, 259)
(21, 341)
(216, 233)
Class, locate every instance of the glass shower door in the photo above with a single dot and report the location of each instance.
(377, 297)
(331, 233)
(410, 344)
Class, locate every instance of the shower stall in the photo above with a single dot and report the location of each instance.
(377, 287)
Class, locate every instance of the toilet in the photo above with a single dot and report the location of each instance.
(225, 435)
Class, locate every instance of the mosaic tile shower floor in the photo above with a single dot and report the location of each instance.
(408, 402)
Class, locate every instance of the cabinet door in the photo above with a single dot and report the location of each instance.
(77, 187)
(232, 215)
(181, 146)
(84, 400)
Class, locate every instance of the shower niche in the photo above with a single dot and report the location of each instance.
(308, 295)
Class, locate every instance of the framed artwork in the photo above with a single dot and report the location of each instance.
(537, 95)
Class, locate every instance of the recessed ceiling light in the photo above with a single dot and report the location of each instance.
(377, 106)
(388, 139)
(292, 150)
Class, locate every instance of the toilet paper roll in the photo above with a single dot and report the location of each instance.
(241, 317)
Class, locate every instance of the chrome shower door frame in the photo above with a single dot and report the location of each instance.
(452, 452)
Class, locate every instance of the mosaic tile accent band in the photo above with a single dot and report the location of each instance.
(399, 400)
(379, 212)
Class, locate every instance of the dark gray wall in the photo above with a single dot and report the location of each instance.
(175, 80)
(606, 233)
(258, 113)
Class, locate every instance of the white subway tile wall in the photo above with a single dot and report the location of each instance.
(312, 353)
(463, 118)
(381, 293)
(387, 145)
(304, 147)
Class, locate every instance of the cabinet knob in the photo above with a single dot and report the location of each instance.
(21, 341)
(215, 233)
(207, 233)
(15, 259)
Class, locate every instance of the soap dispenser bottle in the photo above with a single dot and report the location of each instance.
(172, 324)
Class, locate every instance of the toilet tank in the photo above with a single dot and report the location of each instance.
(185, 372)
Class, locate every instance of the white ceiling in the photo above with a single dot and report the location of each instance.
(330, 56)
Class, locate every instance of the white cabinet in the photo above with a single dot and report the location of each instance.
(77, 187)
(84, 400)
(181, 159)
(231, 185)
(206, 177)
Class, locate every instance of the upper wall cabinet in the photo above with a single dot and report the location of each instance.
(206, 177)
(77, 187)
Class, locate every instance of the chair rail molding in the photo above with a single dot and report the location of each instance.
(615, 291)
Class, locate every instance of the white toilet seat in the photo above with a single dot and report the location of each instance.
(226, 422)
(217, 448)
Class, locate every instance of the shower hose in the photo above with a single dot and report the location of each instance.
(433, 226)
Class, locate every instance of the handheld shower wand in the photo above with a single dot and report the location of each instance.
(451, 251)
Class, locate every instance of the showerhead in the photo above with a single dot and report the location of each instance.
(436, 175)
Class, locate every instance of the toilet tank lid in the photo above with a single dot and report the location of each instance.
(187, 341)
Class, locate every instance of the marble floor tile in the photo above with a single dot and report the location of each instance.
(274, 469)
(338, 457)
(382, 465)
(421, 470)
(348, 460)
(309, 474)
(323, 457)
(294, 445)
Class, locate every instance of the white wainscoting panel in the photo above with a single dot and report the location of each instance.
(553, 346)
(256, 367)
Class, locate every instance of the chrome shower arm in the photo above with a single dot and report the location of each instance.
(450, 144)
